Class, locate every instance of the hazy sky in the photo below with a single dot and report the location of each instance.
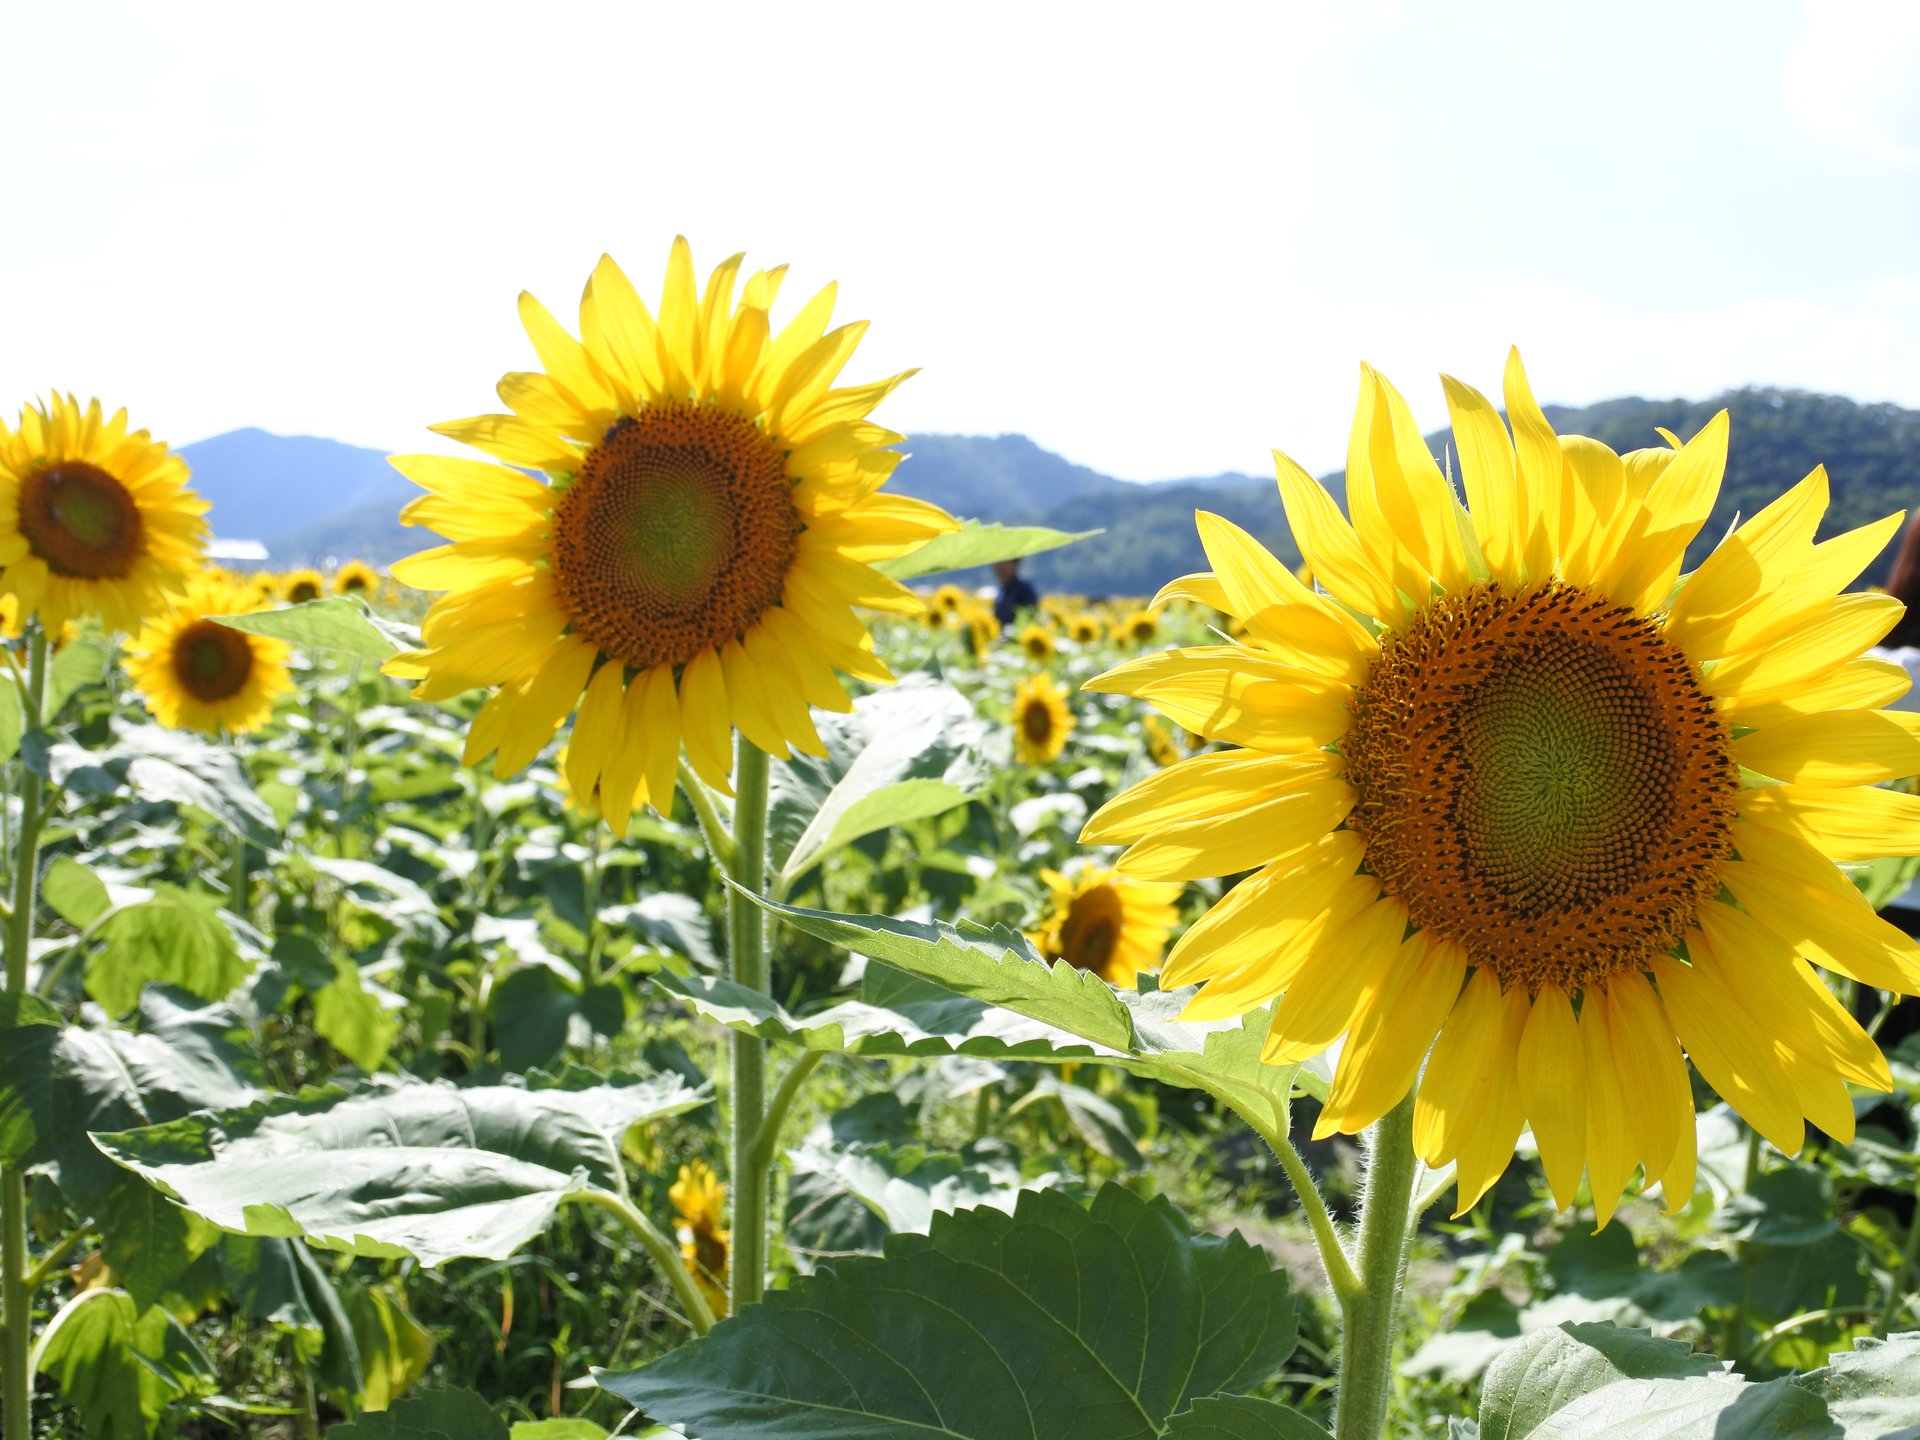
(1156, 239)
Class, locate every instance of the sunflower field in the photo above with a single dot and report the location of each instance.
(667, 959)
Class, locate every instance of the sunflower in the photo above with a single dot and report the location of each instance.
(1085, 628)
(1041, 720)
(1139, 628)
(93, 520)
(197, 674)
(299, 586)
(982, 626)
(1160, 742)
(1537, 808)
(1105, 923)
(699, 1200)
(948, 598)
(693, 562)
(1037, 640)
(356, 577)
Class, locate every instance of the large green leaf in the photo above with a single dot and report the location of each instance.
(902, 754)
(1873, 1391)
(157, 765)
(1055, 1321)
(429, 1415)
(73, 667)
(1551, 1368)
(1241, 1417)
(1140, 1031)
(337, 625)
(1710, 1407)
(13, 717)
(977, 544)
(117, 1364)
(432, 1171)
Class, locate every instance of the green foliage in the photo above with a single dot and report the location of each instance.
(1103, 1323)
(975, 544)
(341, 625)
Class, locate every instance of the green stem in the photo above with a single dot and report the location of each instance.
(50, 1261)
(1333, 1255)
(665, 1254)
(349, 751)
(1367, 1331)
(239, 890)
(747, 955)
(1897, 1282)
(16, 1296)
(767, 1140)
(712, 826)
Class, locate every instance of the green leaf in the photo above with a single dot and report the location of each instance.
(174, 938)
(1873, 1392)
(169, 766)
(1716, 1407)
(1241, 1417)
(537, 1014)
(148, 1242)
(395, 1349)
(1138, 1031)
(77, 895)
(350, 1017)
(567, 1430)
(73, 667)
(116, 1364)
(1549, 1369)
(429, 1415)
(1055, 1321)
(336, 625)
(902, 754)
(977, 544)
(13, 717)
(395, 1169)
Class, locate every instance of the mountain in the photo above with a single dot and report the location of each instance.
(309, 499)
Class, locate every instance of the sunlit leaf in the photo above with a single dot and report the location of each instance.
(974, 544)
(337, 625)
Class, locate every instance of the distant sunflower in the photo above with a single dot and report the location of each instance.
(356, 577)
(1160, 742)
(196, 674)
(1037, 641)
(1085, 628)
(983, 628)
(949, 598)
(299, 586)
(1527, 803)
(699, 1200)
(694, 560)
(1106, 924)
(1139, 628)
(1041, 720)
(93, 520)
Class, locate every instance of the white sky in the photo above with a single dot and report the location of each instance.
(1156, 239)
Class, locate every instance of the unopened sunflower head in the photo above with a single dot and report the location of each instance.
(1519, 794)
(197, 674)
(1041, 720)
(695, 557)
(94, 519)
(1105, 923)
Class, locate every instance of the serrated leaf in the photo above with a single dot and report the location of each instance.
(1549, 1369)
(974, 544)
(1716, 1407)
(1874, 1391)
(77, 895)
(901, 754)
(1241, 1417)
(173, 938)
(335, 625)
(432, 1171)
(1140, 1031)
(429, 1415)
(1056, 1321)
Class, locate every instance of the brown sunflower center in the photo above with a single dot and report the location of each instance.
(210, 661)
(676, 535)
(354, 584)
(302, 591)
(1542, 779)
(1036, 721)
(81, 521)
(1092, 929)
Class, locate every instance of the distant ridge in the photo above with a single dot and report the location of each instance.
(309, 500)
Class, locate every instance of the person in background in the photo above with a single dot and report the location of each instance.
(1902, 647)
(1015, 593)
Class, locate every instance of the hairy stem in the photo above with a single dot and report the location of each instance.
(1369, 1315)
(16, 1294)
(747, 955)
(768, 1138)
(665, 1254)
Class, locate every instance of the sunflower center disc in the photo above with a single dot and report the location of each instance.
(211, 661)
(1541, 778)
(676, 535)
(81, 521)
(1037, 722)
(1092, 928)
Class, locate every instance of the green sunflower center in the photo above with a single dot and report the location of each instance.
(1541, 778)
(80, 521)
(211, 661)
(676, 535)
